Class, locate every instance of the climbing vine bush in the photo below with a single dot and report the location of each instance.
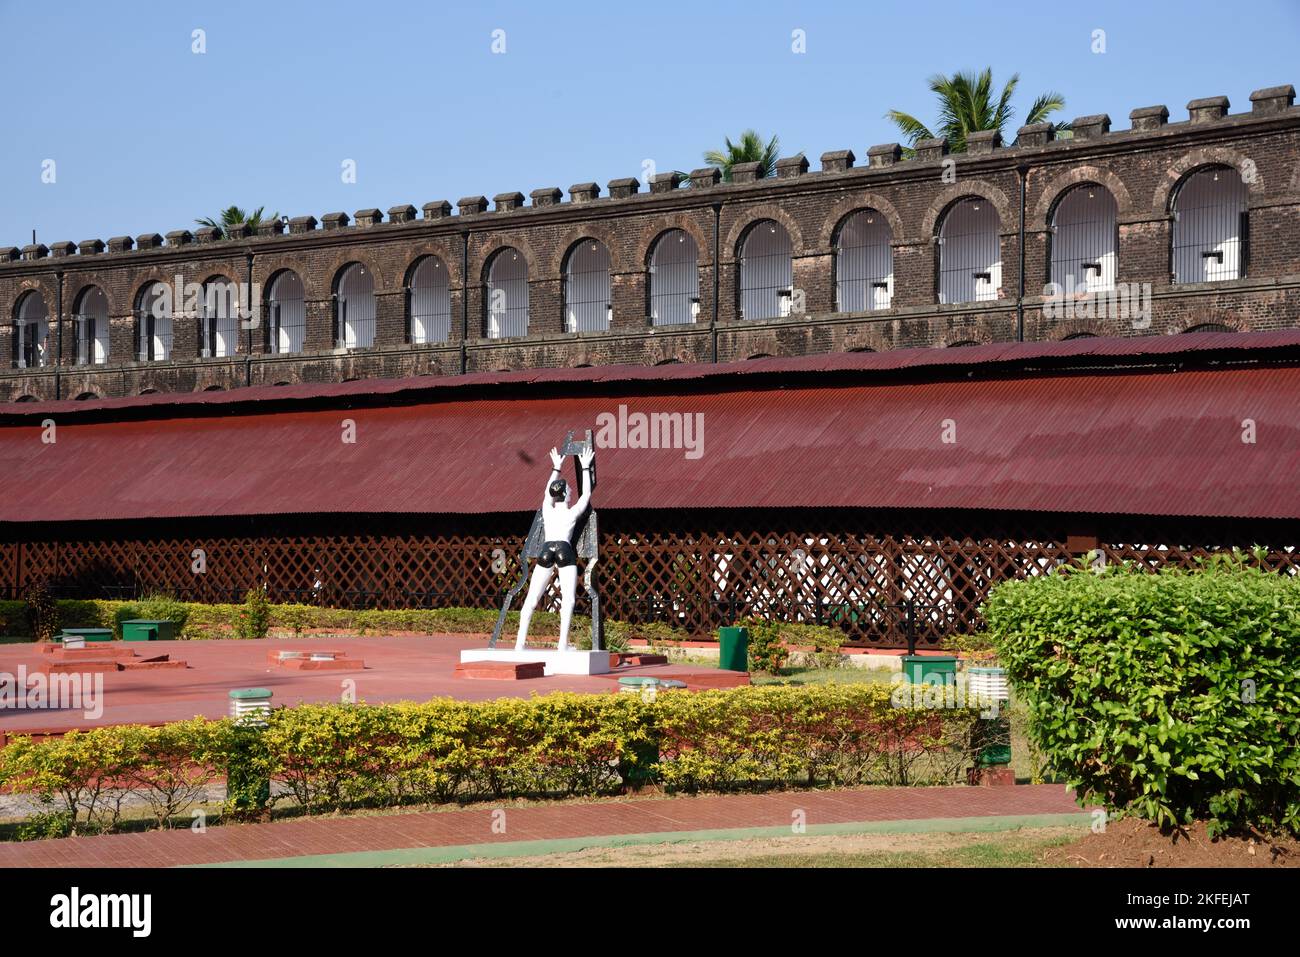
(1173, 696)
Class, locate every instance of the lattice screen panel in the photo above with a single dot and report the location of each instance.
(874, 575)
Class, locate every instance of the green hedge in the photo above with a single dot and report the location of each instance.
(332, 757)
(1172, 696)
(199, 621)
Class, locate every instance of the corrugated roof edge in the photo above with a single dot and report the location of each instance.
(993, 359)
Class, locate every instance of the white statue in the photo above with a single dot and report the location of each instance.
(559, 519)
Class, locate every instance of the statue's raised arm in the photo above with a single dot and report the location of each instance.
(556, 487)
(585, 458)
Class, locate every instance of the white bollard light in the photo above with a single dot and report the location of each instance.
(250, 705)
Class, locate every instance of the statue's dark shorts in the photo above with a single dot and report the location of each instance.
(559, 554)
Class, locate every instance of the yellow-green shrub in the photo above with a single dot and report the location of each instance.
(335, 756)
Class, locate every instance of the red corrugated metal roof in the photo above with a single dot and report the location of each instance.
(988, 358)
(1150, 442)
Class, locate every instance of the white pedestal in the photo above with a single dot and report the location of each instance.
(556, 662)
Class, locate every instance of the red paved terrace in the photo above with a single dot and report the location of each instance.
(396, 669)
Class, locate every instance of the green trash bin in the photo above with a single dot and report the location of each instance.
(148, 629)
(733, 649)
(89, 634)
(993, 741)
(930, 669)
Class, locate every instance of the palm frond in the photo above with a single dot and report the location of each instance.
(750, 148)
(911, 128)
(1044, 105)
(967, 104)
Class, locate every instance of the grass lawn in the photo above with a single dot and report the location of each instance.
(824, 676)
(1018, 848)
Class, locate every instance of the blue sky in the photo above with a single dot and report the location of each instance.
(147, 135)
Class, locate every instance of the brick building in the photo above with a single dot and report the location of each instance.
(1170, 227)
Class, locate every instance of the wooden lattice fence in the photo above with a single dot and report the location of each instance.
(873, 574)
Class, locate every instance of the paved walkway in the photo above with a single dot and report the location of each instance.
(486, 830)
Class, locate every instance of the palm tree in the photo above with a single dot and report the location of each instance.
(750, 149)
(233, 214)
(967, 105)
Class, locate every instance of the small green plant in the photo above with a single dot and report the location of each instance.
(977, 648)
(160, 606)
(45, 824)
(615, 635)
(255, 617)
(42, 611)
(767, 652)
(827, 644)
(297, 618)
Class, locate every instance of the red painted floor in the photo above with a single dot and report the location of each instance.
(334, 835)
(396, 669)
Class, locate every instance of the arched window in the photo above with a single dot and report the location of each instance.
(864, 263)
(90, 319)
(286, 320)
(766, 272)
(970, 262)
(586, 287)
(87, 396)
(354, 308)
(507, 295)
(1085, 239)
(1080, 335)
(219, 319)
(428, 302)
(1210, 327)
(152, 332)
(31, 337)
(1210, 226)
(674, 279)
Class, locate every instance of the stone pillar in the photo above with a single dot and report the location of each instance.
(1144, 244)
(121, 339)
(914, 271)
(545, 304)
(1009, 249)
(319, 335)
(1037, 269)
(814, 276)
(390, 317)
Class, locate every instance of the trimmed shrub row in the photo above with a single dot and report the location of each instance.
(335, 757)
(198, 621)
(1172, 696)
(250, 620)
